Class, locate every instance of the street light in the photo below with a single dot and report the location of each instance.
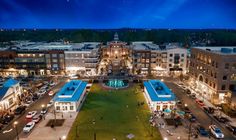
(15, 126)
(165, 138)
(64, 137)
(42, 105)
(185, 105)
(94, 136)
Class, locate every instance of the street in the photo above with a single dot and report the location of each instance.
(36, 106)
(203, 118)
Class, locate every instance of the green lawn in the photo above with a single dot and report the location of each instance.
(116, 114)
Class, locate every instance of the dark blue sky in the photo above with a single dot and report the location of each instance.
(118, 13)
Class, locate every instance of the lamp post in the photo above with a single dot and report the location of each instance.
(63, 137)
(15, 126)
(189, 131)
(77, 134)
(94, 136)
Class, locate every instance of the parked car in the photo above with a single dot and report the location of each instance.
(35, 97)
(28, 103)
(50, 104)
(192, 118)
(188, 91)
(31, 114)
(202, 131)
(37, 118)
(200, 102)
(44, 110)
(42, 91)
(28, 127)
(186, 109)
(52, 84)
(1, 126)
(19, 110)
(221, 119)
(231, 127)
(7, 118)
(51, 93)
(209, 110)
(216, 132)
(193, 96)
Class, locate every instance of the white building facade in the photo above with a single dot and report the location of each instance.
(9, 94)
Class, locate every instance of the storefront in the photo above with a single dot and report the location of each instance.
(71, 95)
(158, 95)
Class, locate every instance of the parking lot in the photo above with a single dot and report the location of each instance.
(35, 97)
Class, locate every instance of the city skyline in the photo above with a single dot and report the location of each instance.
(104, 14)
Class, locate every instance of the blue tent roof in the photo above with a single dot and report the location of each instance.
(158, 91)
(71, 91)
(10, 82)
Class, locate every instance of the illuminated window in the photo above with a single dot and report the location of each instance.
(233, 77)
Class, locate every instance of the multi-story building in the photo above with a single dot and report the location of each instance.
(149, 58)
(7, 62)
(213, 72)
(9, 94)
(55, 62)
(92, 58)
(30, 62)
(82, 58)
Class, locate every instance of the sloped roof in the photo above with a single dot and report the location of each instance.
(3, 91)
(9, 83)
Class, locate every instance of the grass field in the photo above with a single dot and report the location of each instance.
(116, 114)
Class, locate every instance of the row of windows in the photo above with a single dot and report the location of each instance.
(232, 77)
(231, 87)
(204, 70)
(171, 55)
(30, 55)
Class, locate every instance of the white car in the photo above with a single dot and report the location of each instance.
(51, 93)
(50, 104)
(31, 114)
(41, 92)
(52, 84)
(28, 127)
(73, 77)
(44, 111)
(216, 132)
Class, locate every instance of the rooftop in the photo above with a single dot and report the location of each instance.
(223, 50)
(85, 46)
(71, 91)
(7, 84)
(158, 91)
(10, 82)
(148, 45)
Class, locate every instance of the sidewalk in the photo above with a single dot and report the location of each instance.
(180, 133)
(43, 132)
(209, 104)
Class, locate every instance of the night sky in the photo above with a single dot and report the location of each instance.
(104, 14)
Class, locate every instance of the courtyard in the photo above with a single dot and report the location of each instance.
(114, 115)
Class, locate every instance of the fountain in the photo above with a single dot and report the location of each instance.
(115, 83)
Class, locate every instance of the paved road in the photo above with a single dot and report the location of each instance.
(202, 117)
(22, 120)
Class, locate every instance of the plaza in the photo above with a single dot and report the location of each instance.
(114, 114)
